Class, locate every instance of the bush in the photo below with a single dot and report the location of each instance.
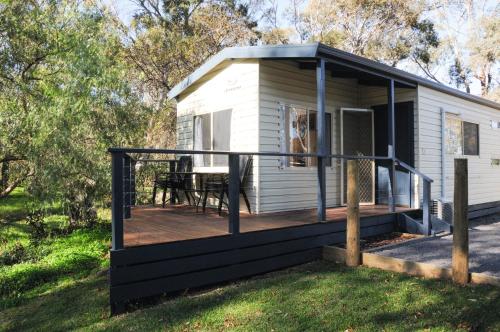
(37, 225)
(15, 255)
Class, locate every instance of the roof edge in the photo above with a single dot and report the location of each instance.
(245, 52)
(314, 51)
(324, 50)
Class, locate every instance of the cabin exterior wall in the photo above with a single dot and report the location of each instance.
(282, 82)
(233, 85)
(255, 89)
(484, 178)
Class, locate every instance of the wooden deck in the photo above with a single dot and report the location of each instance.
(154, 224)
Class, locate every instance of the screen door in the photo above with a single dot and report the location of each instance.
(357, 139)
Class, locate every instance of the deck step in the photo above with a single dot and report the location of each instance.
(413, 223)
(440, 226)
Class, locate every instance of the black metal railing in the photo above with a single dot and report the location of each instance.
(426, 195)
(124, 194)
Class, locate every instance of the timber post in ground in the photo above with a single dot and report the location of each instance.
(353, 257)
(460, 256)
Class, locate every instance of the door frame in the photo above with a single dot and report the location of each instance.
(342, 160)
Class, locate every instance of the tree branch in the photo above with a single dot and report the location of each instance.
(5, 192)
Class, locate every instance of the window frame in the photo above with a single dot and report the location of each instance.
(455, 117)
(287, 126)
(211, 159)
(477, 138)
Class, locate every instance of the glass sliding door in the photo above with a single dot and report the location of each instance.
(212, 131)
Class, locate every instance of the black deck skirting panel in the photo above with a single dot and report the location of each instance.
(484, 209)
(161, 268)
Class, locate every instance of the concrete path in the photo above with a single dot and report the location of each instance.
(484, 249)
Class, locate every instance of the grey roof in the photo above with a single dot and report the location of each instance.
(314, 51)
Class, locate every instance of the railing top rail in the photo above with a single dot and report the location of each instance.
(413, 170)
(269, 153)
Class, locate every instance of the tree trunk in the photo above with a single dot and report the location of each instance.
(4, 181)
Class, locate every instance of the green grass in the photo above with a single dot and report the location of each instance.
(62, 286)
(312, 297)
(44, 264)
(14, 204)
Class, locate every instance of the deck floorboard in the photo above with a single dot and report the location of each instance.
(154, 224)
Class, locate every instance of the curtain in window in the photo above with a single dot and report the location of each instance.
(471, 138)
(283, 112)
(221, 136)
(298, 135)
(198, 141)
(453, 133)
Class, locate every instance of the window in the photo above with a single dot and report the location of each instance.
(453, 131)
(212, 131)
(462, 138)
(471, 139)
(301, 135)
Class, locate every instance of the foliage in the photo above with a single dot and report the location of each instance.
(76, 254)
(169, 39)
(37, 225)
(470, 33)
(66, 99)
(384, 30)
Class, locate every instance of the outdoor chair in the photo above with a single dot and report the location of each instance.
(220, 187)
(176, 181)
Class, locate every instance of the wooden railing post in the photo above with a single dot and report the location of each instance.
(426, 207)
(353, 257)
(234, 193)
(460, 256)
(117, 200)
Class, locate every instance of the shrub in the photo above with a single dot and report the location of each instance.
(37, 225)
(14, 255)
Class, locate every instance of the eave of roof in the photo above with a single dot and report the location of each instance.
(313, 51)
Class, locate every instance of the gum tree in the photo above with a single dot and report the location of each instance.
(65, 99)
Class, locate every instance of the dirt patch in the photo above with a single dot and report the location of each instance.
(384, 240)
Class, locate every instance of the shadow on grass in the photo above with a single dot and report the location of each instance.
(316, 296)
(65, 307)
(324, 296)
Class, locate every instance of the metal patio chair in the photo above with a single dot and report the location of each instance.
(178, 180)
(220, 187)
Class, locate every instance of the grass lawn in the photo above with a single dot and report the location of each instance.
(63, 287)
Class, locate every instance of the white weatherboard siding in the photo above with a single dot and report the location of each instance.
(255, 89)
(233, 85)
(296, 187)
(484, 179)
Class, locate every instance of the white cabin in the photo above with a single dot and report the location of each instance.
(265, 98)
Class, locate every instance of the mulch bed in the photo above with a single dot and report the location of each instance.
(385, 239)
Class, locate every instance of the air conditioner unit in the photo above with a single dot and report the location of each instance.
(445, 211)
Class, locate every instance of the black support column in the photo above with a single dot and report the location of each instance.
(117, 200)
(391, 145)
(321, 138)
